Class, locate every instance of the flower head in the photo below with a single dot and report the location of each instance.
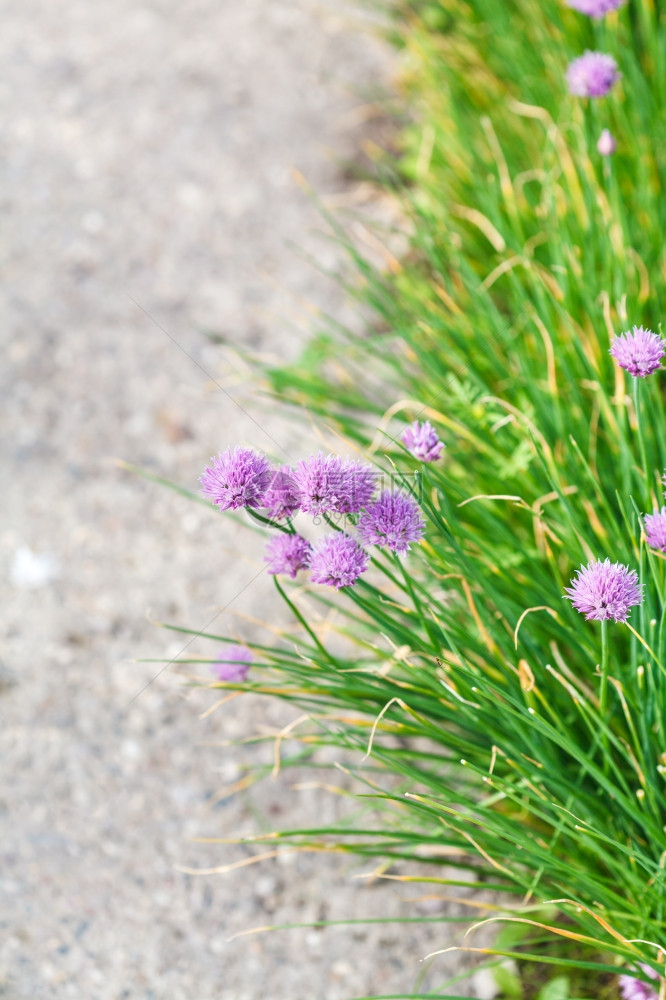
(325, 483)
(635, 989)
(233, 664)
(604, 590)
(337, 561)
(237, 478)
(319, 483)
(655, 529)
(606, 144)
(639, 351)
(358, 481)
(393, 521)
(592, 75)
(282, 497)
(595, 8)
(287, 554)
(422, 441)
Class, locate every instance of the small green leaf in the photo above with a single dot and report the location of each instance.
(508, 981)
(557, 988)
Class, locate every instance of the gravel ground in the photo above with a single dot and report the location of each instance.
(147, 196)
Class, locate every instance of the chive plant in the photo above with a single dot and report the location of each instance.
(503, 601)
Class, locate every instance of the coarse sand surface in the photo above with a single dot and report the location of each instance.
(148, 198)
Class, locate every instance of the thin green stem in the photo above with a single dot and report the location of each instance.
(603, 692)
(287, 528)
(641, 440)
(301, 619)
(423, 615)
(662, 634)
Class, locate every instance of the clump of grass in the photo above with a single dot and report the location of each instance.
(499, 726)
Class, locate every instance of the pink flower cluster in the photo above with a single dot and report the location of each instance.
(233, 664)
(632, 988)
(594, 73)
(639, 351)
(655, 528)
(595, 8)
(603, 590)
(421, 440)
(320, 485)
(241, 477)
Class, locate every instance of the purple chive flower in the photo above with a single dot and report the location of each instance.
(337, 561)
(604, 590)
(286, 554)
(422, 441)
(237, 478)
(595, 8)
(359, 482)
(326, 483)
(319, 483)
(282, 497)
(639, 351)
(635, 989)
(606, 144)
(592, 75)
(393, 521)
(233, 664)
(655, 529)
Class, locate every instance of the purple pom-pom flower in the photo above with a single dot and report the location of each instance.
(233, 664)
(592, 75)
(319, 483)
(422, 441)
(286, 554)
(603, 590)
(325, 483)
(359, 482)
(392, 522)
(635, 989)
(595, 8)
(655, 529)
(282, 497)
(337, 561)
(639, 351)
(237, 478)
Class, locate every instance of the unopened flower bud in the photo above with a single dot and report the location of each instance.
(606, 144)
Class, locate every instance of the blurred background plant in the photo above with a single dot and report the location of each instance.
(485, 725)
